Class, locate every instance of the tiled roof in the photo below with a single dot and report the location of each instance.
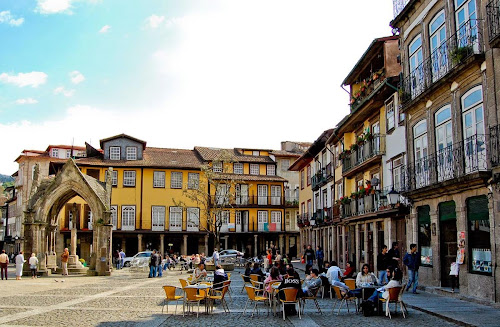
(68, 147)
(281, 153)
(209, 154)
(121, 136)
(256, 178)
(152, 157)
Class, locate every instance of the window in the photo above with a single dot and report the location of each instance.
(158, 218)
(271, 170)
(308, 175)
(285, 164)
(176, 179)
(389, 109)
(238, 168)
(68, 154)
(262, 194)
(128, 217)
(114, 216)
(479, 235)
(275, 221)
(473, 126)
(337, 153)
(131, 153)
(222, 194)
(444, 139)
(397, 165)
(275, 195)
(193, 219)
(217, 166)
(114, 178)
(439, 53)
(254, 169)
(241, 194)
(175, 219)
(159, 179)
(302, 181)
(340, 191)
(129, 178)
(262, 221)
(424, 235)
(193, 181)
(223, 218)
(114, 153)
(465, 17)
(256, 153)
(420, 154)
(417, 77)
(309, 209)
(55, 153)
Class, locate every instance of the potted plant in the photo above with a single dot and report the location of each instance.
(360, 140)
(354, 195)
(354, 147)
(460, 53)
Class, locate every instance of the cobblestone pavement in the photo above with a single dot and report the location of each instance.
(131, 299)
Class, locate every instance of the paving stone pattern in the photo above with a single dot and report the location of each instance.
(131, 299)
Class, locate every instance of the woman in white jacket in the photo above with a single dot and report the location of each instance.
(383, 292)
(19, 265)
(33, 262)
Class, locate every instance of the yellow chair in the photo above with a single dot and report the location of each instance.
(254, 298)
(351, 283)
(228, 275)
(170, 296)
(342, 297)
(218, 294)
(190, 298)
(183, 282)
(396, 297)
(313, 297)
(245, 283)
(290, 295)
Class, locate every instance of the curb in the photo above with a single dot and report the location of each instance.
(455, 321)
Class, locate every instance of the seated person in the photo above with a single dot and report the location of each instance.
(365, 277)
(383, 292)
(333, 273)
(349, 270)
(312, 283)
(199, 274)
(257, 271)
(273, 277)
(220, 277)
(291, 279)
(248, 269)
(324, 269)
(344, 289)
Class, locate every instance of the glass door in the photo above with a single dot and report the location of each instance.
(417, 82)
(439, 48)
(444, 144)
(421, 155)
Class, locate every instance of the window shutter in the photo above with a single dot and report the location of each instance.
(447, 211)
(477, 208)
(424, 216)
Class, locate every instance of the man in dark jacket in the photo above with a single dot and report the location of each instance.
(153, 263)
(412, 261)
(395, 255)
(309, 255)
(383, 261)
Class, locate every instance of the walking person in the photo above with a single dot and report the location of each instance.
(309, 255)
(116, 257)
(153, 264)
(395, 255)
(454, 269)
(19, 265)
(122, 257)
(64, 262)
(215, 258)
(33, 262)
(320, 255)
(4, 263)
(383, 262)
(412, 261)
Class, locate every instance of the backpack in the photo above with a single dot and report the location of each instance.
(368, 308)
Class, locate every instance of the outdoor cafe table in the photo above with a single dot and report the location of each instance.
(202, 287)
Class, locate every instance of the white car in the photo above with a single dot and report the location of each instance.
(140, 257)
(227, 254)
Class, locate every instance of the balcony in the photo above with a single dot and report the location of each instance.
(495, 145)
(371, 86)
(303, 220)
(363, 154)
(448, 166)
(442, 62)
(493, 14)
(367, 205)
(322, 177)
(248, 201)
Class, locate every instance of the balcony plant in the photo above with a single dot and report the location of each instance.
(360, 140)
(460, 53)
(353, 147)
(368, 136)
(354, 195)
(300, 224)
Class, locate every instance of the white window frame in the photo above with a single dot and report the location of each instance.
(114, 178)
(397, 164)
(255, 153)
(217, 166)
(90, 220)
(340, 191)
(262, 219)
(276, 195)
(114, 216)
(193, 219)
(262, 194)
(131, 152)
(175, 219)
(416, 73)
(55, 153)
(68, 154)
(439, 52)
(238, 168)
(421, 164)
(193, 181)
(391, 117)
(254, 169)
(129, 178)
(241, 193)
(159, 179)
(270, 170)
(222, 194)
(175, 181)
(157, 218)
(114, 153)
(276, 218)
(128, 217)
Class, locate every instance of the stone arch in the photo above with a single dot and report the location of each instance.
(47, 199)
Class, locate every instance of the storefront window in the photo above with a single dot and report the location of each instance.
(424, 235)
(479, 235)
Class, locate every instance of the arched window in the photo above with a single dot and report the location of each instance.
(473, 130)
(421, 154)
(416, 67)
(444, 143)
(439, 51)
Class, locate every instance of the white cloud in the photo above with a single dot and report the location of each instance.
(54, 6)
(26, 101)
(154, 21)
(63, 91)
(33, 79)
(7, 18)
(104, 29)
(76, 77)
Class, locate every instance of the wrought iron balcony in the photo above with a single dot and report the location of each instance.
(442, 61)
(366, 204)
(303, 220)
(362, 154)
(322, 177)
(495, 145)
(493, 13)
(447, 164)
(247, 201)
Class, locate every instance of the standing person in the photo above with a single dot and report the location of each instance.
(383, 261)
(64, 262)
(278, 257)
(33, 262)
(309, 255)
(269, 260)
(320, 255)
(454, 268)
(215, 258)
(19, 265)
(273, 250)
(159, 270)
(4, 263)
(395, 255)
(412, 261)
(122, 257)
(152, 264)
(116, 257)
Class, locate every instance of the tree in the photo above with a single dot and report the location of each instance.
(215, 195)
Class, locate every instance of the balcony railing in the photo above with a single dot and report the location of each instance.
(303, 220)
(364, 152)
(452, 52)
(366, 204)
(494, 149)
(493, 13)
(247, 201)
(457, 160)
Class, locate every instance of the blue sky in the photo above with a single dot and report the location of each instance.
(219, 73)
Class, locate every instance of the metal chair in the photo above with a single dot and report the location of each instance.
(343, 297)
(313, 297)
(183, 282)
(170, 296)
(218, 294)
(396, 297)
(290, 296)
(245, 283)
(191, 297)
(254, 298)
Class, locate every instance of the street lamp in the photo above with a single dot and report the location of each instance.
(393, 197)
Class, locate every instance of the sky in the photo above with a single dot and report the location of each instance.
(178, 74)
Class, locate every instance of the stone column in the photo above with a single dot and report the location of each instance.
(206, 244)
(139, 242)
(72, 249)
(162, 244)
(460, 209)
(357, 247)
(255, 239)
(225, 242)
(375, 246)
(435, 242)
(344, 255)
(185, 245)
(281, 243)
(365, 240)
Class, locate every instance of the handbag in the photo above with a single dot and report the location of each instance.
(302, 260)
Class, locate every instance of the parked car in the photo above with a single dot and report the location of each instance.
(138, 258)
(227, 254)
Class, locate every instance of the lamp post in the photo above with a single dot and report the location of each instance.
(393, 197)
